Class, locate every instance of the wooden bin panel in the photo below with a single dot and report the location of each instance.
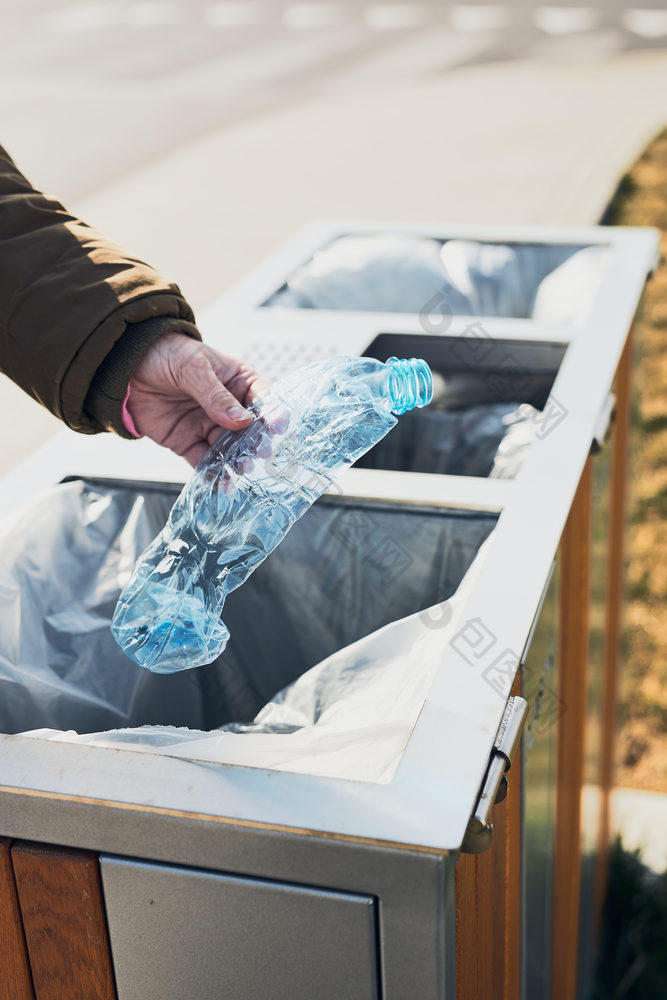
(60, 895)
(488, 904)
(620, 474)
(15, 979)
(574, 589)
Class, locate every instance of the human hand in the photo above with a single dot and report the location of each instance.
(183, 392)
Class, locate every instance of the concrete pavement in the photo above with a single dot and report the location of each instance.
(522, 142)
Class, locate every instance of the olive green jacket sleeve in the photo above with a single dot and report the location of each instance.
(77, 312)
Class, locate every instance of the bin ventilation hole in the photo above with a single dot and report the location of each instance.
(276, 359)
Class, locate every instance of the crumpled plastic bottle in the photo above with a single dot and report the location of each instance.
(247, 492)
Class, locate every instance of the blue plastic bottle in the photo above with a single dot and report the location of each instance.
(247, 492)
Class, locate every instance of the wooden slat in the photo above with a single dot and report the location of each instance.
(488, 905)
(60, 895)
(15, 979)
(619, 476)
(476, 956)
(574, 590)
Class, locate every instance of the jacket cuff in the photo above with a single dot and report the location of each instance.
(108, 389)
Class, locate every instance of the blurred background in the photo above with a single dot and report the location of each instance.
(201, 135)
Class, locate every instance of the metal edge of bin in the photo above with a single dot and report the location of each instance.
(427, 805)
(271, 273)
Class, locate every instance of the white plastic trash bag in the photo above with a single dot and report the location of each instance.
(414, 274)
(348, 717)
(354, 610)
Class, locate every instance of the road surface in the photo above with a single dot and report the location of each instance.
(201, 134)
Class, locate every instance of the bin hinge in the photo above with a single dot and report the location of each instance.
(494, 786)
(603, 423)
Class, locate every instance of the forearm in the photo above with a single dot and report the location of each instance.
(77, 312)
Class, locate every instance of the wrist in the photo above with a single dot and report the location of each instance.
(126, 416)
(107, 401)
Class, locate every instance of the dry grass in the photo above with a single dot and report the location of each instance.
(642, 761)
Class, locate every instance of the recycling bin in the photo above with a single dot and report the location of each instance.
(407, 745)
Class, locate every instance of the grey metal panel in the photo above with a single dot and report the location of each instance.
(415, 890)
(179, 932)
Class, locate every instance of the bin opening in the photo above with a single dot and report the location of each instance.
(394, 273)
(343, 572)
(491, 401)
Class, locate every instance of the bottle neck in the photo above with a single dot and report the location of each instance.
(410, 384)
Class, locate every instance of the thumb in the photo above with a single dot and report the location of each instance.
(198, 379)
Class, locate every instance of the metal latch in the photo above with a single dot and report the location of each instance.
(494, 786)
(603, 423)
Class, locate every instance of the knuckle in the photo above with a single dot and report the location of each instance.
(198, 365)
(218, 395)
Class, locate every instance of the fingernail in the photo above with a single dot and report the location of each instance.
(238, 413)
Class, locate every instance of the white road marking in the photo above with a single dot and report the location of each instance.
(646, 23)
(96, 15)
(565, 20)
(80, 18)
(394, 17)
(479, 18)
(149, 13)
(230, 14)
(432, 50)
(302, 16)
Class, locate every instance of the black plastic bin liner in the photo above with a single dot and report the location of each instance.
(485, 413)
(488, 437)
(342, 572)
(453, 443)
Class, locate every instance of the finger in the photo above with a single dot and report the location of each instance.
(241, 463)
(256, 390)
(213, 434)
(248, 387)
(195, 453)
(265, 447)
(280, 423)
(186, 441)
(240, 378)
(199, 380)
